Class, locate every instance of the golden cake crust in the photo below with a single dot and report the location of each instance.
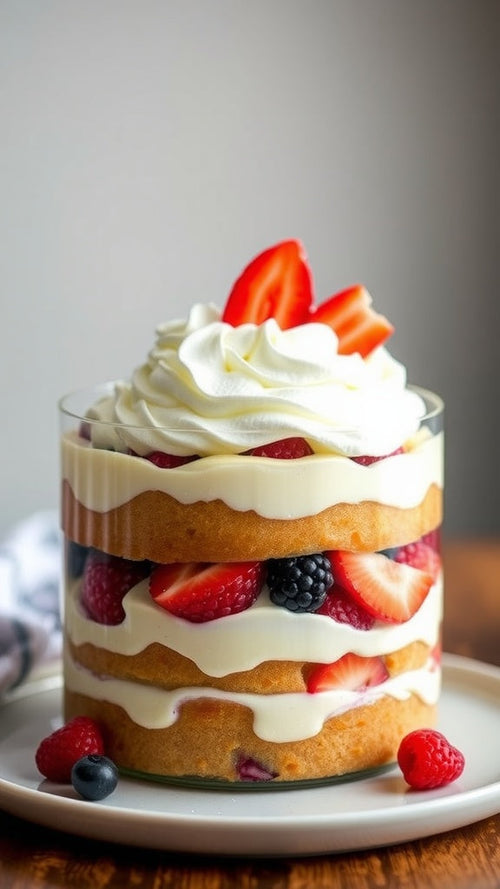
(153, 525)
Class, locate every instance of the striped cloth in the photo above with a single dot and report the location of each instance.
(30, 623)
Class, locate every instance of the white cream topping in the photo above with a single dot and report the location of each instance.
(210, 388)
(239, 642)
(102, 480)
(278, 717)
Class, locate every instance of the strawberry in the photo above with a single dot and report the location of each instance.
(390, 591)
(106, 580)
(276, 284)
(428, 760)
(365, 460)
(57, 753)
(351, 672)
(420, 555)
(340, 606)
(166, 461)
(358, 327)
(285, 449)
(201, 591)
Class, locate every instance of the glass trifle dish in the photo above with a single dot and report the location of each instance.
(253, 584)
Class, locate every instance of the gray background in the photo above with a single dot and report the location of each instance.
(150, 149)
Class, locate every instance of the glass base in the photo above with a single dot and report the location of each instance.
(197, 783)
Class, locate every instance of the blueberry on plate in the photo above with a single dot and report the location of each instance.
(94, 776)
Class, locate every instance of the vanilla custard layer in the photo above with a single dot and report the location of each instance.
(278, 718)
(102, 480)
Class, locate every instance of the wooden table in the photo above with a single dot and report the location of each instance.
(32, 857)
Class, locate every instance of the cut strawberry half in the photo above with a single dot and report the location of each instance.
(285, 449)
(351, 673)
(201, 591)
(358, 327)
(392, 592)
(276, 284)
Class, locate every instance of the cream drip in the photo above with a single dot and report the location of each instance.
(278, 717)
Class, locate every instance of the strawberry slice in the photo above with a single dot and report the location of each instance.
(285, 449)
(201, 591)
(358, 327)
(392, 592)
(276, 284)
(351, 672)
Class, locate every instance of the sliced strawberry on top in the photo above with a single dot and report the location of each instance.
(201, 591)
(285, 449)
(351, 672)
(276, 284)
(391, 591)
(420, 555)
(358, 327)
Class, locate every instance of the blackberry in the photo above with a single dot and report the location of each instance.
(299, 583)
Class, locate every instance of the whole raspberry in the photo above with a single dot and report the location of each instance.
(340, 606)
(106, 580)
(57, 754)
(428, 760)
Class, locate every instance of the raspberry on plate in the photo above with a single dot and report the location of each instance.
(428, 760)
(58, 752)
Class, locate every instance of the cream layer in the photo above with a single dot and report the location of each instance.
(102, 480)
(264, 632)
(277, 718)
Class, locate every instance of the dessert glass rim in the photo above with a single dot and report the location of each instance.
(87, 396)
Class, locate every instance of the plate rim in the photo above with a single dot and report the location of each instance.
(487, 796)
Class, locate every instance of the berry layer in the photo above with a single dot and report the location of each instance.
(238, 508)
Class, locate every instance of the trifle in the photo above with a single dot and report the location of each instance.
(253, 585)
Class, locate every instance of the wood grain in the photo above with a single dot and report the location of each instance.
(32, 857)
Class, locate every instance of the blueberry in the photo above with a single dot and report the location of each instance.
(94, 776)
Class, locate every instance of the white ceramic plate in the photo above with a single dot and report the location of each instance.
(376, 811)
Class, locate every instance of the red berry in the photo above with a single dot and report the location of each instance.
(285, 449)
(365, 460)
(249, 769)
(358, 327)
(428, 760)
(389, 591)
(166, 461)
(340, 606)
(351, 672)
(106, 580)
(420, 555)
(433, 539)
(200, 591)
(57, 754)
(276, 284)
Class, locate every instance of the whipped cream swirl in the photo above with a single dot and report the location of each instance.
(210, 388)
